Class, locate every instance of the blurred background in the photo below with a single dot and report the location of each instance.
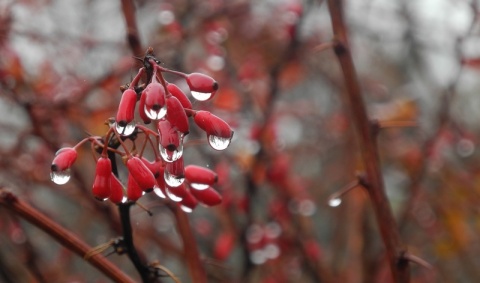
(61, 65)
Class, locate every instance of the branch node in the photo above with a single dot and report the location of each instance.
(340, 47)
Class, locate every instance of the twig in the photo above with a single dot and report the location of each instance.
(368, 148)
(124, 209)
(63, 236)
(190, 249)
(128, 10)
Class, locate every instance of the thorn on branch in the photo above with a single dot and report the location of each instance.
(324, 46)
(415, 259)
(335, 198)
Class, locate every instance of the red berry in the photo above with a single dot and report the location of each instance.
(176, 193)
(101, 184)
(154, 101)
(224, 245)
(140, 172)
(169, 137)
(141, 110)
(134, 192)
(189, 202)
(64, 158)
(126, 109)
(176, 114)
(116, 195)
(171, 143)
(175, 173)
(180, 95)
(208, 196)
(200, 178)
(212, 124)
(203, 87)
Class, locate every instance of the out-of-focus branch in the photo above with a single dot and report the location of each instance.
(128, 10)
(64, 237)
(190, 250)
(368, 147)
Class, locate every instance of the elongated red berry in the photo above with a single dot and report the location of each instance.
(126, 109)
(174, 90)
(134, 192)
(202, 87)
(218, 131)
(101, 188)
(208, 196)
(140, 172)
(213, 125)
(174, 173)
(189, 202)
(116, 195)
(141, 110)
(64, 158)
(153, 166)
(200, 178)
(176, 193)
(155, 108)
(171, 142)
(169, 137)
(176, 114)
(60, 168)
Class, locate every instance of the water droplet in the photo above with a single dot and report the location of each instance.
(465, 147)
(158, 192)
(172, 196)
(273, 230)
(186, 209)
(334, 202)
(254, 234)
(124, 199)
(271, 251)
(307, 207)
(155, 114)
(218, 143)
(127, 130)
(201, 96)
(171, 156)
(258, 257)
(215, 62)
(198, 186)
(166, 17)
(172, 180)
(60, 177)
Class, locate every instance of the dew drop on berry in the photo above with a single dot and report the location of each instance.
(199, 187)
(155, 114)
(171, 156)
(186, 209)
(158, 192)
(172, 196)
(125, 130)
(218, 143)
(172, 180)
(60, 177)
(334, 202)
(202, 96)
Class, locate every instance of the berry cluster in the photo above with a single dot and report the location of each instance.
(166, 105)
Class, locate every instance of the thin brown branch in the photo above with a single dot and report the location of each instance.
(190, 249)
(368, 147)
(64, 237)
(128, 10)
